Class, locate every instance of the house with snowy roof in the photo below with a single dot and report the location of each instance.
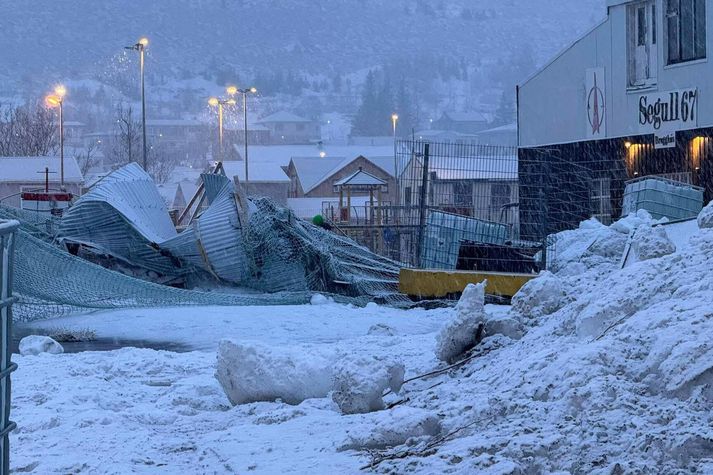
(288, 128)
(317, 183)
(28, 174)
(463, 122)
(630, 99)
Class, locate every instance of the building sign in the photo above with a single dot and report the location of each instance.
(596, 104)
(668, 111)
(665, 140)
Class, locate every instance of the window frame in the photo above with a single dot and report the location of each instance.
(634, 40)
(673, 17)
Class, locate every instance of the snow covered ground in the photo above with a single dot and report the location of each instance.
(145, 411)
(610, 371)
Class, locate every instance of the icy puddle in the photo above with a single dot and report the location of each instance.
(100, 344)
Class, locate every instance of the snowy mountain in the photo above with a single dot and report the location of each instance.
(85, 38)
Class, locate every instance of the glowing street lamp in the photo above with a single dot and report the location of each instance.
(140, 46)
(219, 103)
(56, 100)
(394, 121)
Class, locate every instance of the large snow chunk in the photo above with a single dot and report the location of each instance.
(651, 243)
(628, 224)
(461, 334)
(360, 382)
(705, 218)
(541, 296)
(503, 325)
(394, 429)
(252, 373)
(35, 344)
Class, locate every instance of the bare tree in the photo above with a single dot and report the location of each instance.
(161, 163)
(87, 158)
(28, 131)
(126, 146)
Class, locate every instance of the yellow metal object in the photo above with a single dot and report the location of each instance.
(441, 283)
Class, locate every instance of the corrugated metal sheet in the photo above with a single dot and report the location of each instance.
(124, 216)
(213, 184)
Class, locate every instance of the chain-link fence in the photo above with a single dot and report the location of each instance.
(7, 244)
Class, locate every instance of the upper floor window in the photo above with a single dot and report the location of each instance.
(686, 30)
(643, 44)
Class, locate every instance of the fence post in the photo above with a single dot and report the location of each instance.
(423, 204)
(7, 242)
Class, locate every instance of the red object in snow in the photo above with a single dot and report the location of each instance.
(46, 196)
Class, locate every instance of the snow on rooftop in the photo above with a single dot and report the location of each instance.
(266, 161)
(31, 169)
(283, 116)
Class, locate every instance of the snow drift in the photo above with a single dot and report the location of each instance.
(615, 377)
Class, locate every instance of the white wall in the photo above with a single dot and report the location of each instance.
(552, 104)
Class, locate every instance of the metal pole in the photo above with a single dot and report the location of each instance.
(424, 196)
(61, 145)
(220, 131)
(143, 103)
(245, 120)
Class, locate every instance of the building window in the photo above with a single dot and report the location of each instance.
(463, 192)
(600, 199)
(643, 44)
(407, 196)
(686, 30)
(500, 197)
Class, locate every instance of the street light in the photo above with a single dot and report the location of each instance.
(57, 100)
(395, 121)
(140, 46)
(219, 103)
(232, 91)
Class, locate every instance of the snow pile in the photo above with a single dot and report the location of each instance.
(540, 297)
(592, 245)
(705, 218)
(319, 299)
(35, 344)
(651, 243)
(251, 372)
(618, 380)
(360, 382)
(401, 426)
(462, 333)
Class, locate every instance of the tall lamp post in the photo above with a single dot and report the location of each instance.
(141, 48)
(219, 103)
(232, 91)
(57, 100)
(395, 122)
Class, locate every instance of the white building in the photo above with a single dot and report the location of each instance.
(633, 97)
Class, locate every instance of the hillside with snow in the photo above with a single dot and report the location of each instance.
(82, 38)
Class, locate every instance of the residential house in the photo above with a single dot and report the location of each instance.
(288, 128)
(24, 174)
(463, 122)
